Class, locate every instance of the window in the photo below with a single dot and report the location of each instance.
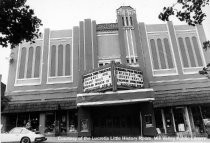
(162, 58)
(123, 22)
(50, 122)
(105, 62)
(60, 61)
(148, 120)
(15, 131)
(127, 21)
(132, 61)
(131, 21)
(29, 63)
(84, 125)
(73, 121)
(190, 53)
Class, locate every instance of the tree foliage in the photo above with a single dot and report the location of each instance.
(17, 23)
(190, 11)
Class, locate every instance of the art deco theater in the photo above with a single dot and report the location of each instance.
(112, 79)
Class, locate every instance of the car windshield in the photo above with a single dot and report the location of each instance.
(24, 131)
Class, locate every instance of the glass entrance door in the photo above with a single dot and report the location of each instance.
(169, 121)
(116, 121)
(61, 123)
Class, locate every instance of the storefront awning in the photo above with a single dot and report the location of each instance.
(119, 97)
(181, 98)
(40, 106)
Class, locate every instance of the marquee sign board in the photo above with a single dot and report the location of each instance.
(129, 77)
(97, 80)
(113, 76)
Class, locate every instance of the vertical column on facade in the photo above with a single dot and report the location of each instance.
(88, 48)
(127, 35)
(191, 118)
(16, 122)
(187, 117)
(202, 118)
(67, 124)
(75, 48)
(121, 37)
(81, 54)
(174, 124)
(201, 39)
(163, 120)
(42, 122)
(173, 39)
(81, 47)
(88, 51)
(94, 45)
(143, 53)
(46, 45)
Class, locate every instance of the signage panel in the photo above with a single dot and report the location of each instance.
(113, 77)
(129, 77)
(97, 80)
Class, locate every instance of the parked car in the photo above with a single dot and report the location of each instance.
(208, 128)
(22, 135)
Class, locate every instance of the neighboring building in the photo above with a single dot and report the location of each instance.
(87, 81)
(4, 101)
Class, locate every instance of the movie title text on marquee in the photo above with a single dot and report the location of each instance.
(129, 77)
(97, 80)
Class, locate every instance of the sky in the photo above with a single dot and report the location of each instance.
(64, 14)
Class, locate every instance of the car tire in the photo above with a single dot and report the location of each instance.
(25, 140)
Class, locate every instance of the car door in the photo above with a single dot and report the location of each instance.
(6, 137)
(14, 135)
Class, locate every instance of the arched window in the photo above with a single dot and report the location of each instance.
(183, 52)
(22, 63)
(37, 62)
(154, 54)
(168, 53)
(161, 54)
(53, 60)
(30, 62)
(60, 60)
(131, 21)
(28, 71)
(127, 21)
(197, 51)
(190, 52)
(123, 22)
(68, 61)
(60, 68)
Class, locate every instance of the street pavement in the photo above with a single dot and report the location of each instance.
(126, 140)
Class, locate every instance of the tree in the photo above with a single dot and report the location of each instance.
(190, 11)
(17, 23)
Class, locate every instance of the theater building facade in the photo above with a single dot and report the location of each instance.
(113, 79)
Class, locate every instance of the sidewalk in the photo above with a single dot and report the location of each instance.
(123, 140)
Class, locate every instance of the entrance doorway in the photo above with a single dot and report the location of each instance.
(179, 119)
(61, 123)
(121, 120)
(169, 121)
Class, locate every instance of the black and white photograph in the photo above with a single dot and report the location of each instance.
(89, 71)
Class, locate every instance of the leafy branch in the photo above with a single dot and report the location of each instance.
(190, 11)
(17, 23)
